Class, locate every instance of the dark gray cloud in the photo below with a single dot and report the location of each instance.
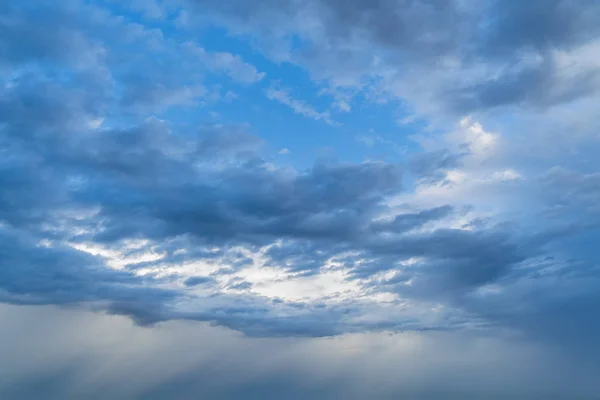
(407, 222)
(432, 27)
(198, 280)
(241, 285)
(539, 24)
(432, 166)
(41, 273)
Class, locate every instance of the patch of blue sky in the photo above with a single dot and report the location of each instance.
(369, 132)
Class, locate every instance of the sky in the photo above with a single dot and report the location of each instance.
(325, 199)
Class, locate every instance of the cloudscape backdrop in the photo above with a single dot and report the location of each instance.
(325, 199)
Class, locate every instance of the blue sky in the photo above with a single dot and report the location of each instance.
(329, 178)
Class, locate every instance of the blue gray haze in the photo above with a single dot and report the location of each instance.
(300, 199)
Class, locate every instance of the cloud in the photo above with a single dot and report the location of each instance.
(299, 106)
(232, 65)
(407, 222)
(150, 182)
(433, 166)
(106, 52)
(475, 57)
(217, 363)
(202, 200)
(27, 35)
(198, 280)
(152, 9)
(199, 194)
(463, 266)
(42, 272)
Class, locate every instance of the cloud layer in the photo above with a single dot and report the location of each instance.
(132, 183)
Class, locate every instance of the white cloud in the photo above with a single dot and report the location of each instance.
(151, 9)
(228, 63)
(342, 105)
(299, 106)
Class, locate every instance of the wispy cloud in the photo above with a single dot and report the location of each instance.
(299, 106)
(230, 64)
